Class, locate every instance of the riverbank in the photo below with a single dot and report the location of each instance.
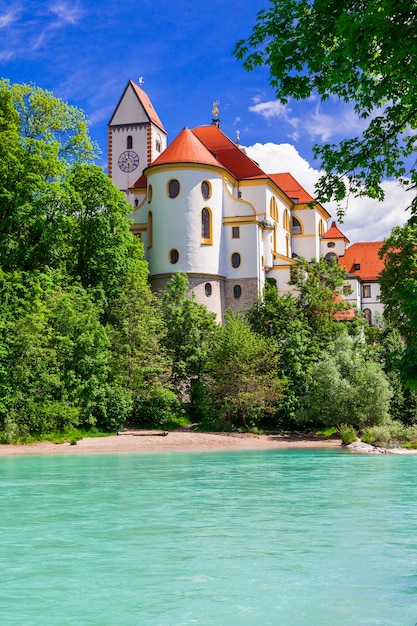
(147, 441)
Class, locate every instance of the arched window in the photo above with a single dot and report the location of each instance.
(286, 220)
(208, 289)
(237, 291)
(150, 193)
(129, 142)
(205, 189)
(368, 315)
(236, 260)
(206, 226)
(150, 229)
(173, 188)
(174, 256)
(331, 256)
(273, 208)
(296, 227)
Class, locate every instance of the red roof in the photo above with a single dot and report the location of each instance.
(147, 105)
(361, 259)
(335, 233)
(291, 187)
(144, 101)
(186, 148)
(230, 156)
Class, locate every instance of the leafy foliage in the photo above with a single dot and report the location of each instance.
(243, 384)
(361, 51)
(399, 293)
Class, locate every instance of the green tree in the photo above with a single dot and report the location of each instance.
(318, 285)
(243, 385)
(54, 355)
(398, 282)
(190, 333)
(361, 51)
(140, 362)
(279, 318)
(346, 388)
(49, 126)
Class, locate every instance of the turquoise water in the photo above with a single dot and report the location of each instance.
(290, 537)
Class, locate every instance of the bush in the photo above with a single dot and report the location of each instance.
(347, 433)
(160, 408)
(115, 408)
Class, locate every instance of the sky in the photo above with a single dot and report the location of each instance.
(85, 51)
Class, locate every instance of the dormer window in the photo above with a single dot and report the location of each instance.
(356, 266)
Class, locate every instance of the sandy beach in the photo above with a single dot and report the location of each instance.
(145, 441)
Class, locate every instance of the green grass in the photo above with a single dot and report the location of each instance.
(73, 436)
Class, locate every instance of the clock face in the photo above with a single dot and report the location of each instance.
(128, 161)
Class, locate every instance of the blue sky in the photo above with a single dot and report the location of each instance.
(86, 51)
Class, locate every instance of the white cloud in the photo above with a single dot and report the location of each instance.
(66, 12)
(322, 126)
(6, 19)
(364, 220)
(272, 109)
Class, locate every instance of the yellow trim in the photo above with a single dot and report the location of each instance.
(286, 220)
(239, 200)
(172, 180)
(150, 229)
(293, 217)
(240, 260)
(208, 241)
(169, 256)
(243, 220)
(209, 187)
(138, 229)
(176, 167)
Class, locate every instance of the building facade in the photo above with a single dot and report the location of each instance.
(201, 206)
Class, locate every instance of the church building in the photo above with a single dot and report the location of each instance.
(201, 206)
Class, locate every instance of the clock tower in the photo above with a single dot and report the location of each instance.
(136, 137)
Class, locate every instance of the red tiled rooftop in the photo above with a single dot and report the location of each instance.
(364, 255)
(229, 155)
(291, 187)
(335, 233)
(147, 105)
(186, 148)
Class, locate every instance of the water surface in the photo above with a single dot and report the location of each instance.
(286, 537)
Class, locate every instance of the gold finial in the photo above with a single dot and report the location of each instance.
(215, 109)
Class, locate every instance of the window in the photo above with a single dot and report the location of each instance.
(208, 289)
(356, 266)
(205, 189)
(236, 259)
(235, 232)
(237, 291)
(368, 315)
(273, 208)
(129, 142)
(150, 193)
(150, 229)
(296, 227)
(331, 244)
(174, 256)
(366, 291)
(331, 256)
(173, 188)
(158, 143)
(286, 220)
(321, 228)
(347, 290)
(206, 226)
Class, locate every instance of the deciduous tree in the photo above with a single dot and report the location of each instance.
(362, 52)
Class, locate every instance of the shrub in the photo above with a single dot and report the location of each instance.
(347, 433)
